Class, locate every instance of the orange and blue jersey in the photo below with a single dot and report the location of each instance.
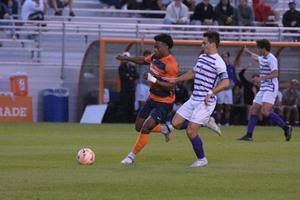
(163, 67)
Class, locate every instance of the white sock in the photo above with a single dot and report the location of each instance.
(131, 155)
(164, 129)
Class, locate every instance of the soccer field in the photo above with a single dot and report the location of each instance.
(38, 161)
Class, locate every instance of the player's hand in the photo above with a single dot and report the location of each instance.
(206, 99)
(145, 75)
(171, 80)
(256, 80)
(245, 49)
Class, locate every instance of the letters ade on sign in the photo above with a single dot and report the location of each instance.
(16, 109)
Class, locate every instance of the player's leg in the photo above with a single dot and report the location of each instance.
(159, 113)
(252, 122)
(183, 114)
(200, 116)
(197, 144)
(219, 108)
(288, 111)
(227, 114)
(296, 115)
(266, 110)
(141, 141)
(228, 102)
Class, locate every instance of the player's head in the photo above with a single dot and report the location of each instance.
(165, 38)
(213, 37)
(263, 44)
(294, 83)
(163, 44)
(210, 43)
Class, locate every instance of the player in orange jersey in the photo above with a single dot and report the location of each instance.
(162, 95)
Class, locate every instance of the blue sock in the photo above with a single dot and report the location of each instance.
(218, 121)
(276, 119)
(271, 123)
(198, 146)
(251, 125)
(227, 120)
(185, 125)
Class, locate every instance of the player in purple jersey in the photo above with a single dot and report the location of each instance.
(266, 96)
(198, 109)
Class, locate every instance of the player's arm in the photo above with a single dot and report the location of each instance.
(163, 84)
(138, 60)
(253, 55)
(274, 74)
(221, 86)
(186, 76)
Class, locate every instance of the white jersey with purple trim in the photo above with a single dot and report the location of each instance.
(207, 70)
(267, 65)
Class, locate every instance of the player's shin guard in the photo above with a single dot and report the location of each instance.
(198, 146)
(275, 118)
(252, 123)
(141, 141)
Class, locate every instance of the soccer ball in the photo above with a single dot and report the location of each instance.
(85, 157)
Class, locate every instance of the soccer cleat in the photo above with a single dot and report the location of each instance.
(200, 162)
(246, 138)
(288, 133)
(127, 160)
(213, 126)
(168, 135)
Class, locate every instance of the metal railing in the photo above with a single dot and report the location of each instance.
(45, 33)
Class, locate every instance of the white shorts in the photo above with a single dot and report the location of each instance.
(225, 97)
(196, 111)
(141, 94)
(265, 96)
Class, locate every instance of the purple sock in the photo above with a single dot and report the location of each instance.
(218, 121)
(198, 147)
(185, 125)
(251, 124)
(275, 118)
(226, 120)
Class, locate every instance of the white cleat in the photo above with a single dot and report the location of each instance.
(200, 162)
(127, 160)
(213, 126)
(168, 135)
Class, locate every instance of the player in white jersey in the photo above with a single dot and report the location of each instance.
(198, 109)
(266, 96)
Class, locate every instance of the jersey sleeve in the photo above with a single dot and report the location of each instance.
(148, 58)
(273, 64)
(220, 66)
(172, 69)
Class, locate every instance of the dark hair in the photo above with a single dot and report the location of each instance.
(212, 36)
(263, 44)
(165, 38)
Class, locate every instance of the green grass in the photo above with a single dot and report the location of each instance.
(38, 161)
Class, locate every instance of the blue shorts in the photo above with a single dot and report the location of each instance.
(157, 110)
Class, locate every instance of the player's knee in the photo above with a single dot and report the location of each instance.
(176, 125)
(145, 130)
(138, 128)
(265, 113)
